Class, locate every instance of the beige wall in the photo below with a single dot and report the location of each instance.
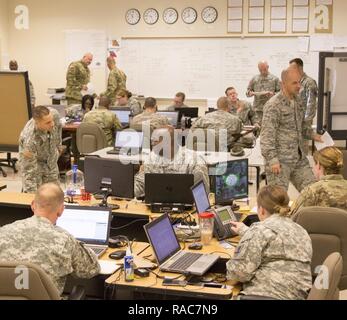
(4, 25)
(41, 49)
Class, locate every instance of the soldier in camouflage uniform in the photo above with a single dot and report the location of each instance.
(219, 120)
(331, 189)
(262, 87)
(167, 157)
(105, 119)
(308, 94)
(125, 99)
(282, 134)
(37, 240)
(13, 65)
(273, 258)
(245, 112)
(116, 81)
(40, 144)
(149, 117)
(77, 78)
(178, 102)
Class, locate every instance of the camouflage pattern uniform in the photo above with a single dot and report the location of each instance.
(260, 84)
(42, 166)
(220, 120)
(78, 75)
(309, 96)
(245, 112)
(173, 107)
(184, 162)
(273, 259)
(116, 82)
(155, 120)
(134, 105)
(330, 191)
(281, 140)
(32, 94)
(36, 240)
(106, 120)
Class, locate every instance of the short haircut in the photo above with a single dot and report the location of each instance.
(228, 89)
(298, 62)
(181, 95)
(49, 197)
(124, 93)
(39, 112)
(150, 103)
(223, 103)
(104, 101)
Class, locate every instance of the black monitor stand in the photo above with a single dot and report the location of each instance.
(104, 204)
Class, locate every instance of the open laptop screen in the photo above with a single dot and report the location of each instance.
(90, 225)
(162, 237)
(122, 115)
(200, 196)
(129, 139)
(172, 116)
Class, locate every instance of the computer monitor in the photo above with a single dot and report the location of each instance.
(123, 116)
(129, 139)
(232, 182)
(202, 202)
(121, 175)
(172, 116)
(187, 112)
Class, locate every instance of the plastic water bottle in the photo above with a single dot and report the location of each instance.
(74, 181)
(129, 266)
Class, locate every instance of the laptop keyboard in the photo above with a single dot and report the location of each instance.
(185, 261)
(97, 250)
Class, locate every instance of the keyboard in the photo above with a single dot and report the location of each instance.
(185, 261)
(97, 250)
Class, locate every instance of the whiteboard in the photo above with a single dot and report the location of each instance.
(79, 42)
(204, 67)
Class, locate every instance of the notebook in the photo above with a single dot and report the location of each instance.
(90, 225)
(123, 116)
(168, 192)
(128, 141)
(168, 252)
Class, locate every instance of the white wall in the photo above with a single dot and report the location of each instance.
(41, 49)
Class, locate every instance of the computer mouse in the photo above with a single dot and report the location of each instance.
(117, 255)
(195, 246)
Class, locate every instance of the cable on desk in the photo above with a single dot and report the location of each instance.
(222, 253)
(129, 224)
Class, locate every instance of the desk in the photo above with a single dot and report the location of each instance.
(16, 206)
(255, 159)
(152, 285)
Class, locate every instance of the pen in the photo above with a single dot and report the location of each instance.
(142, 251)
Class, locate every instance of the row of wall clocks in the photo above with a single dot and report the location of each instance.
(170, 15)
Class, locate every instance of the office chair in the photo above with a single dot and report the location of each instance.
(327, 229)
(345, 163)
(8, 162)
(40, 286)
(90, 138)
(334, 265)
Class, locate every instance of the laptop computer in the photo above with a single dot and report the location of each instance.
(172, 117)
(169, 192)
(168, 252)
(123, 116)
(202, 202)
(127, 142)
(90, 225)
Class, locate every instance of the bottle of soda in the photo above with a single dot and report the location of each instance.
(129, 266)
